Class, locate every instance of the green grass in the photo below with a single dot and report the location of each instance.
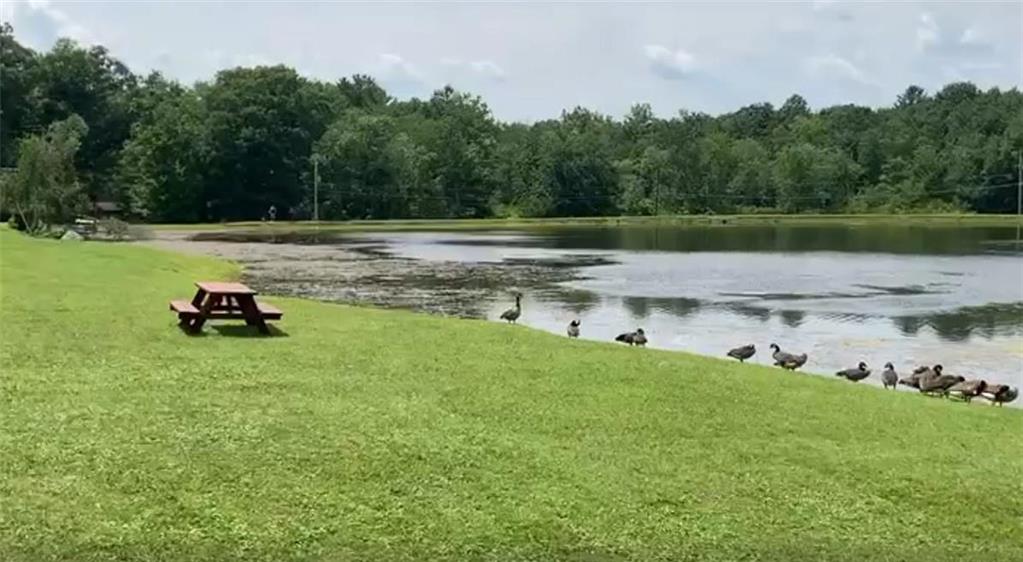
(480, 224)
(381, 435)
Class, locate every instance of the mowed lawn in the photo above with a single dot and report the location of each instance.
(379, 435)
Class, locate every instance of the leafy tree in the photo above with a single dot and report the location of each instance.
(912, 96)
(88, 82)
(262, 123)
(370, 171)
(162, 172)
(45, 189)
(584, 179)
(17, 105)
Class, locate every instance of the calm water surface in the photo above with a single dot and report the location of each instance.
(909, 295)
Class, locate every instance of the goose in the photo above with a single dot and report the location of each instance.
(1000, 393)
(914, 379)
(787, 360)
(512, 314)
(934, 382)
(743, 353)
(966, 390)
(573, 329)
(888, 376)
(859, 373)
(633, 338)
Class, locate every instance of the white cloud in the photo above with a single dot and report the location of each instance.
(400, 76)
(927, 32)
(933, 39)
(668, 64)
(394, 66)
(457, 69)
(831, 8)
(834, 65)
(488, 68)
(44, 23)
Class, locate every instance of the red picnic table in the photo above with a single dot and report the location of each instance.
(216, 300)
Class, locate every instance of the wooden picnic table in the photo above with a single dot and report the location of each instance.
(216, 300)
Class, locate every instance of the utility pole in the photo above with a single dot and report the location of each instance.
(316, 188)
(1019, 195)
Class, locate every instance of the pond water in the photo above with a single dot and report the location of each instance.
(907, 294)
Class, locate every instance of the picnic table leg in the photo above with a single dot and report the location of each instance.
(204, 311)
(197, 299)
(252, 315)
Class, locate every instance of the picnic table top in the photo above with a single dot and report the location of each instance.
(224, 288)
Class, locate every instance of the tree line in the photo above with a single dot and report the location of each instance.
(78, 125)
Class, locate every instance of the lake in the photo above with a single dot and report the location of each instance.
(875, 292)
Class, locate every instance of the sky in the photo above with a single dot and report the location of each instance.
(529, 61)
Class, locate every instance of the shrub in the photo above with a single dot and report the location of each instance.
(115, 228)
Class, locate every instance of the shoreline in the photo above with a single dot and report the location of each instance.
(668, 220)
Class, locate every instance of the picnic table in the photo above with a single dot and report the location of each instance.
(216, 300)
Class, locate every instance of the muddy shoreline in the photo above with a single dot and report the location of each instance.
(360, 270)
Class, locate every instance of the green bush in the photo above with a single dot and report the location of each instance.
(115, 228)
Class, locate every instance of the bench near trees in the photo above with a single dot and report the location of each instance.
(215, 300)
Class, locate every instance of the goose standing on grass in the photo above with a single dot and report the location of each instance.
(1000, 393)
(787, 360)
(573, 329)
(633, 338)
(936, 383)
(743, 353)
(512, 314)
(855, 375)
(966, 390)
(889, 376)
(914, 379)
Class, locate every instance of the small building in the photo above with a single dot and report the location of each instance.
(107, 209)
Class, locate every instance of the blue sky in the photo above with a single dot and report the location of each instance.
(531, 60)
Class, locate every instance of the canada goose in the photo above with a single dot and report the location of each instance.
(933, 381)
(573, 329)
(787, 360)
(966, 390)
(914, 379)
(743, 353)
(1000, 393)
(888, 376)
(633, 338)
(859, 373)
(512, 314)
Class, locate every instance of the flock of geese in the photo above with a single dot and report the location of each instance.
(931, 381)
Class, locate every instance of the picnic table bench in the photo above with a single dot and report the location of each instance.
(215, 300)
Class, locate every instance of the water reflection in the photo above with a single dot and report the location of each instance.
(888, 238)
(792, 318)
(987, 321)
(679, 307)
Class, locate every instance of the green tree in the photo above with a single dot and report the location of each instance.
(370, 169)
(262, 124)
(88, 82)
(45, 190)
(18, 113)
(162, 172)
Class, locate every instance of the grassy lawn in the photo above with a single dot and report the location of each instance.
(713, 220)
(379, 435)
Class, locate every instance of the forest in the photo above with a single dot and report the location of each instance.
(78, 126)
